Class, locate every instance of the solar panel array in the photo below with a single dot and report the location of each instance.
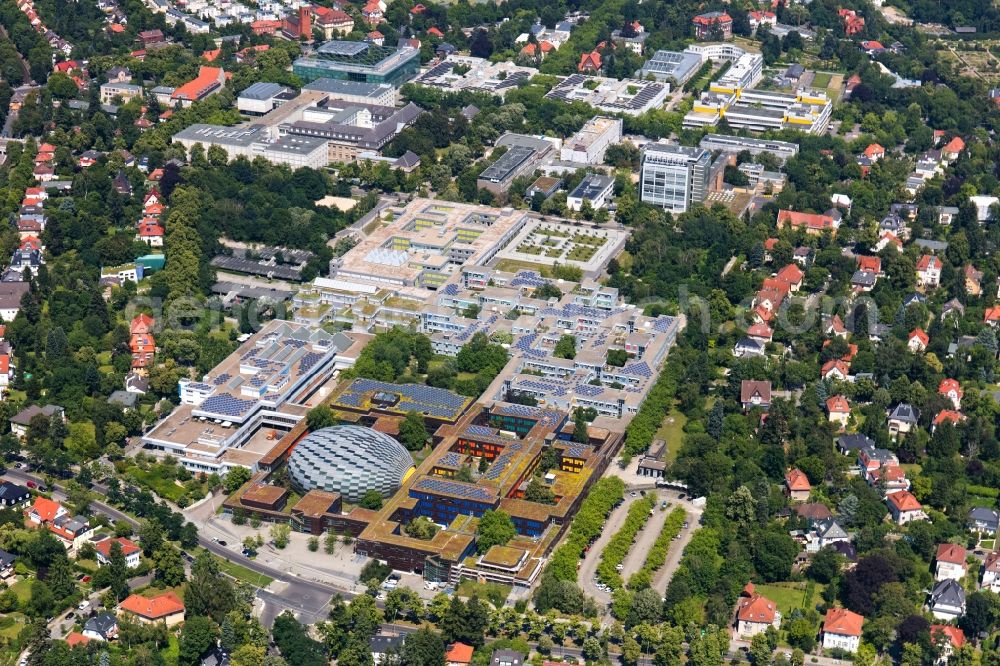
(503, 461)
(417, 397)
(577, 450)
(221, 379)
(451, 459)
(480, 430)
(450, 289)
(227, 405)
(589, 390)
(638, 369)
(454, 488)
(528, 279)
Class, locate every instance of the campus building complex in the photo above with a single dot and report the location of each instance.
(236, 413)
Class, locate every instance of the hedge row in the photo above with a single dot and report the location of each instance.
(616, 550)
(586, 526)
(657, 556)
(983, 491)
(640, 432)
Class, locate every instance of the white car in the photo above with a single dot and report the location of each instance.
(83, 605)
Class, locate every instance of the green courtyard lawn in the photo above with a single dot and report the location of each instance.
(161, 484)
(790, 596)
(23, 589)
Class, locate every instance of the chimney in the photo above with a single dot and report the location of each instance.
(305, 22)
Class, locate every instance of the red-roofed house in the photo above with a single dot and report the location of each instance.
(792, 275)
(208, 82)
(142, 343)
(953, 149)
(869, 264)
(950, 562)
(755, 614)
(542, 49)
(375, 37)
(44, 511)
(842, 629)
(813, 223)
(150, 233)
(759, 18)
(713, 25)
(330, 21)
(951, 389)
(904, 508)
(755, 394)
(853, 24)
(373, 13)
(838, 410)
(946, 416)
(992, 315)
(872, 46)
(129, 550)
(917, 340)
(433, 31)
(797, 486)
(947, 639)
(167, 608)
(874, 152)
(928, 271)
(891, 479)
(459, 654)
(76, 638)
(835, 369)
(265, 26)
(761, 333)
(589, 62)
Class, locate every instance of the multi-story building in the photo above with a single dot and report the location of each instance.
(737, 144)
(760, 110)
(523, 154)
(359, 61)
(671, 67)
(842, 630)
(122, 90)
(713, 25)
(263, 97)
(252, 141)
(674, 177)
(358, 92)
(589, 144)
(744, 73)
(349, 129)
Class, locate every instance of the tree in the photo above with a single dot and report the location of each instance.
(495, 529)
(565, 347)
(197, 637)
(280, 533)
(422, 528)
(981, 613)
(413, 432)
(209, 593)
(825, 565)
(372, 499)
(539, 492)
(320, 417)
(118, 571)
(169, 566)
(593, 650)
(248, 655)
(235, 479)
(424, 647)
(760, 650)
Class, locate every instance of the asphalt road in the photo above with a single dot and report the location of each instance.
(306, 598)
(585, 576)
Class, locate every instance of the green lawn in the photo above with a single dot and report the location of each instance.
(495, 593)
(242, 573)
(790, 596)
(172, 652)
(158, 483)
(11, 625)
(671, 431)
(23, 589)
(822, 80)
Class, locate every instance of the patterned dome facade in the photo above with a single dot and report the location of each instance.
(349, 460)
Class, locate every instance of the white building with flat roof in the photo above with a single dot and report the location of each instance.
(589, 144)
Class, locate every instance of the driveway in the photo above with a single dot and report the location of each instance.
(588, 570)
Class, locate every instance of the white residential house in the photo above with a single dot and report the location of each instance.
(842, 630)
(950, 562)
(989, 579)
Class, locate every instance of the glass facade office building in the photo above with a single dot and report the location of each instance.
(674, 177)
(359, 61)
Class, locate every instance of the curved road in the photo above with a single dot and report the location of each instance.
(306, 598)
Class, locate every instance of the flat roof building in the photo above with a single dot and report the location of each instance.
(589, 144)
(674, 177)
(737, 144)
(674, 67)
(629, 96)
(523, 154)
(359, 61)
(263, 97)
(477, 74)
(252, 141)
(236, 413)
(595, 188)
(379, 94)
